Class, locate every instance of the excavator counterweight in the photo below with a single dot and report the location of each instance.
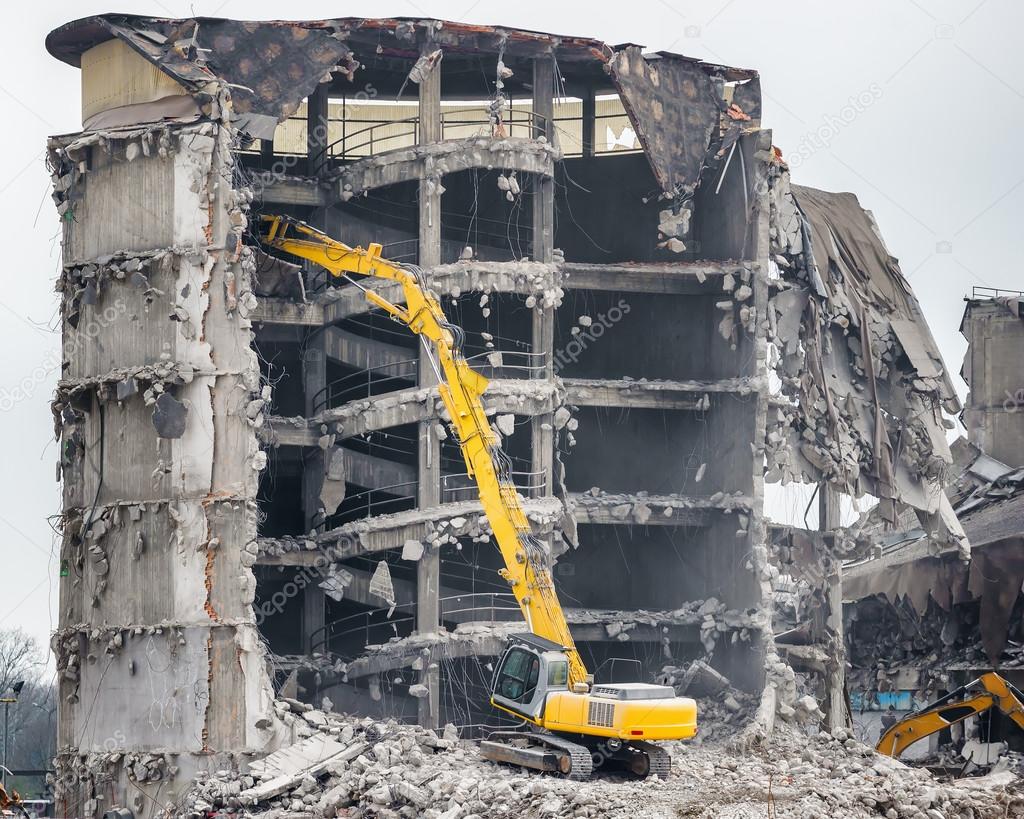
(540, 678)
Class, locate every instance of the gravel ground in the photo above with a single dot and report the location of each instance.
(401, 771)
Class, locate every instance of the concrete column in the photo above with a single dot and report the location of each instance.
(542, 436)
(428, 570)
(314, 613)
(313, 469)
(428, 612)
(589, 122)
(314, 370)
(430, 186)
(157, 500)
(267, 154)
(544, 187)
(314, 380)
(428, 582)
(316, 130)
(835, 670)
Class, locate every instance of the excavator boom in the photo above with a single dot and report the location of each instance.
(526, 563)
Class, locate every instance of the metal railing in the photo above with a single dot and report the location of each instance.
(392, 443)
(324, 637)
(367, 383)
(472, 607)
(993, 293)
(384, 443)
(460, 487)
(508, 363)
(380, 500)
(363, 136)
(398, 497)
(398, 375)
(372, 139)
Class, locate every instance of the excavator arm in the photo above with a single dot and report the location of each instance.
(988, 691)
(526, 561)
(11, 804)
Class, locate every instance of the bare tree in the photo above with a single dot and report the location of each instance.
(21, 659)
(32, 740)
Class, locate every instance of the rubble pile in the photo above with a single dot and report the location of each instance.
(342, 767)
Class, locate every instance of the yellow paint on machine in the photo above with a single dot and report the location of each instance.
(660, 719)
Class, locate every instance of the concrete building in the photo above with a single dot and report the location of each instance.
(994, 415)
(260, 494)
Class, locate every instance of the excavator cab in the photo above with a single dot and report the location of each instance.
(530, 669)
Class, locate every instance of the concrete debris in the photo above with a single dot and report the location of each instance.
(333, 486)
(412, 550)
(698, 680)
(966, 612)
(506, 424)
(860, 334)
(361, 767)
(381, 585)
(337, 580)
(425, 65)
(169, 416)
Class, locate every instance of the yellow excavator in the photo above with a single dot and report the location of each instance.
(570, 721)
(988, 691)
(11, 804)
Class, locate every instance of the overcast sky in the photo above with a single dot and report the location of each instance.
(917, 107)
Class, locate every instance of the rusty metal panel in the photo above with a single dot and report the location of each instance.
(675, 107)
(271, 66)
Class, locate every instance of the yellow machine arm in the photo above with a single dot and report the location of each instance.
(988, 691)
(526, 564)
(11, 803)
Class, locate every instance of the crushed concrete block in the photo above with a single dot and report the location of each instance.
(701, 680)
(412, 550)
(506, 424)
(381, 585)
(169, 416)
(332, 489)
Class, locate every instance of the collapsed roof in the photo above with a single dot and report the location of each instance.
(864, 385)
(988, 497)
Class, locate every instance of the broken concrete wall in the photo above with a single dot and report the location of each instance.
(161, 667)
(864, 387)
(994, 417)
(974, 603)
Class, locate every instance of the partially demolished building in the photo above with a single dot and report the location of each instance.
(256, 466)
(922, 620)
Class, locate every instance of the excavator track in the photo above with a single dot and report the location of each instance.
(548, 753)
(581, 758)
(659, 760)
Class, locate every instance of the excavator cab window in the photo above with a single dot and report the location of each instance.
(558, 674)
(517, 679)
